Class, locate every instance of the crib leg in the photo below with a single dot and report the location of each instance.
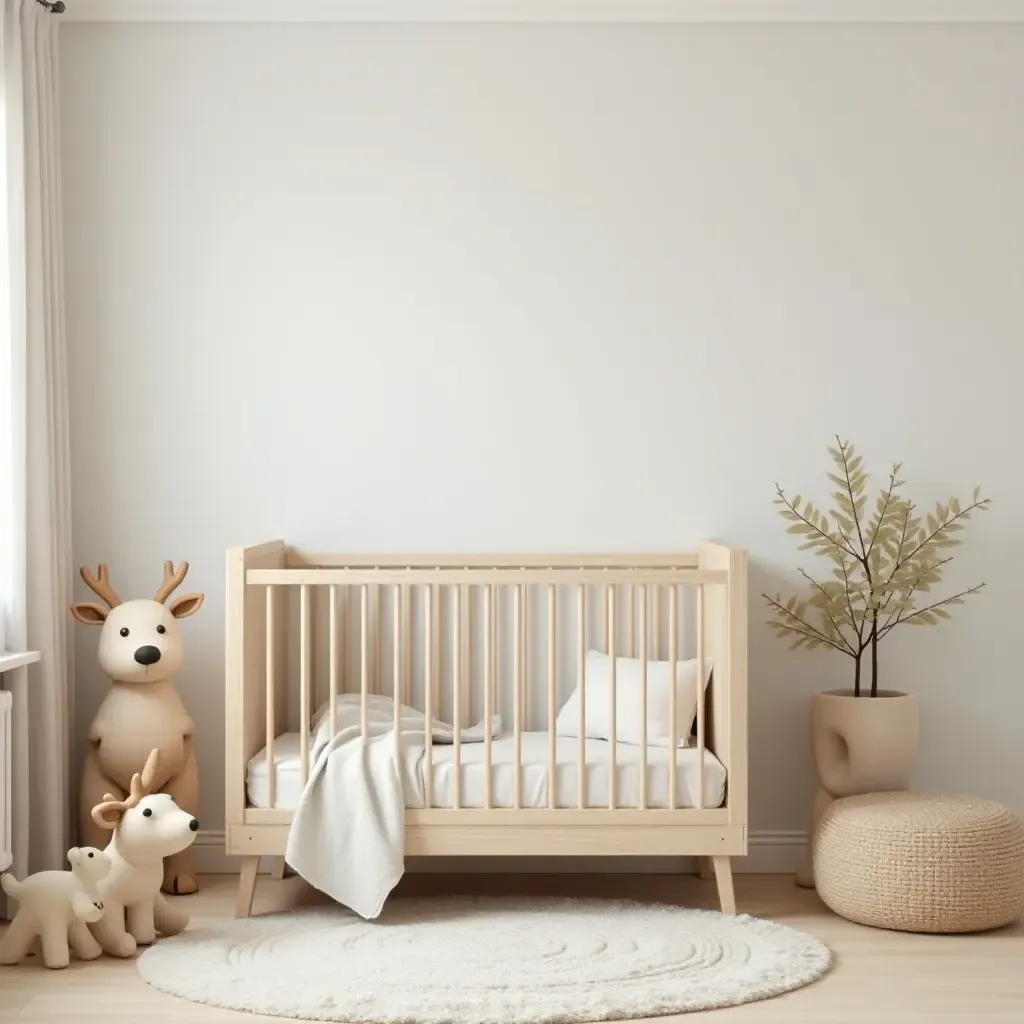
(704, 868)
(723, 875)
(247, 886)
(279, 869)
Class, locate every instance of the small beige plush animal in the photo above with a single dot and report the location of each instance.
(147, 827)
(57, 906)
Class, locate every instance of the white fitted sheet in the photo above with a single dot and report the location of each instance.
(288, 779)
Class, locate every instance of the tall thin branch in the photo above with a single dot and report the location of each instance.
(849, 603)
(863, 558)
(831, 618)
(812, 631)
(894, 614)
(943, 526)
(928, 608)
(807, 522)
(885, 507)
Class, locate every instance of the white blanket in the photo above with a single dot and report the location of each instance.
(348, 832)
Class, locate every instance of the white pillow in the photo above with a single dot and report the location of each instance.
(628, 702)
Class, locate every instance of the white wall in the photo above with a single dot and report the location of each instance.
(563, 288)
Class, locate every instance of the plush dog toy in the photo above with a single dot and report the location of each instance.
(147, 827)
(56, 906)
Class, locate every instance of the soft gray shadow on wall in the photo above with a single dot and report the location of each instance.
(781, 682)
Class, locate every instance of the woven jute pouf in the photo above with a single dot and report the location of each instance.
(919, 862)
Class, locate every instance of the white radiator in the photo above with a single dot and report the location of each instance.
(6, 837)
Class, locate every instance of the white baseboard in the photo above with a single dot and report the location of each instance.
(770, 853)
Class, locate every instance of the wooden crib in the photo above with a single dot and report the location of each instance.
(462, 638)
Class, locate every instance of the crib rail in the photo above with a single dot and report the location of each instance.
(464, 638)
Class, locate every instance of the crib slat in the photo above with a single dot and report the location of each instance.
(673, 646)
(612, 710)
(457, 695)
(377, 668)
(643, 698)
(632, 620)
(551, 696)
(517, 675)
(364, 658)
(428, 694)
(495, 647)
(439, 626)
(488, 710)
(332, 654)
(656, 617)
(346, 637)
(304, 680)
(407, 593)
(396, 667)
(314, 616)
(581, 670)
(524, 654)
(271, 725)
(700, 696)
(466, 703)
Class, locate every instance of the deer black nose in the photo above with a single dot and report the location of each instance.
(147, 655)
(194, 825)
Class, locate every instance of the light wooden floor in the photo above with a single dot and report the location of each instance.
(878, 977)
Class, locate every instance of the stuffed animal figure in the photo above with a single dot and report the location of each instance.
(147, 827)
(57, 906)
(140, 649)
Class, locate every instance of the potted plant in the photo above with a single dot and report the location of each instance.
(885, 566)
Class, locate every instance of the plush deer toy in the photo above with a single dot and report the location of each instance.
(147, 827)
(140, 649)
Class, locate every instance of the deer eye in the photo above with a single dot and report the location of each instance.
(124, 631)
(161, 629)
(147, 812)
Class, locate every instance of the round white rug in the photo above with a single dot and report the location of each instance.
(473, 960)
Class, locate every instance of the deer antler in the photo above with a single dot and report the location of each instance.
(101, 586)
(172, 580)
(141, 785)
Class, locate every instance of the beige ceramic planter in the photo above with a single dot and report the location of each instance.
(861, 745)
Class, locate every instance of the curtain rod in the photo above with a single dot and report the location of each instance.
(54, 6)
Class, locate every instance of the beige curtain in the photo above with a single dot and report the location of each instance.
(35, 521)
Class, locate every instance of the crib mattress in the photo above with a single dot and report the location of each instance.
(288, 778)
